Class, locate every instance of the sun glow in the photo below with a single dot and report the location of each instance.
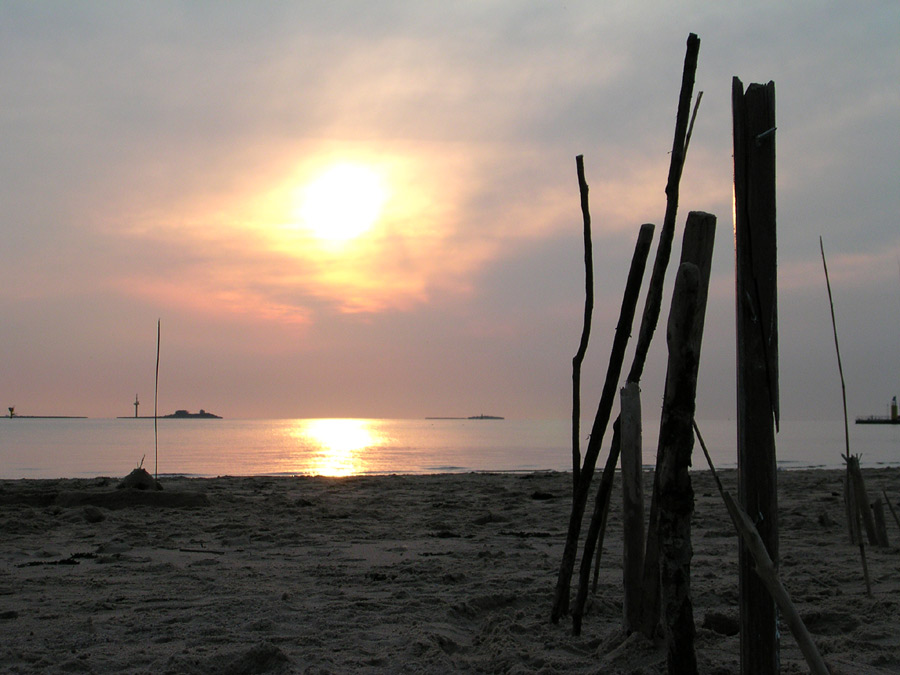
(342, 203)
(337, 445)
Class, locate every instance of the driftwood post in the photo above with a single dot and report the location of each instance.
(696, 248)
(586, 325)
(649, 319)
(757, 357)
(676, 495)
(632, 504)
(604, 409)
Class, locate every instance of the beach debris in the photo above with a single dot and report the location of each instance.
(139, 479)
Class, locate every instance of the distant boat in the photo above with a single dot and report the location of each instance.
(893, 418)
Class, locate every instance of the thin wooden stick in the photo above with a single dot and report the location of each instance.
(766, 571)
(586, 326)
(156, 408)
(690, 131)
(837, 349)
(601, 420)
(653, 303)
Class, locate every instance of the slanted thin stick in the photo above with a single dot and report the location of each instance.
(837, 349)
(586, 326)
(854, 508)
(601, 419)
(766, 571)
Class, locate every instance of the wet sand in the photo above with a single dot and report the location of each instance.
(396, 574)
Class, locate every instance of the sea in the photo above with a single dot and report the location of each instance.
(80, 448)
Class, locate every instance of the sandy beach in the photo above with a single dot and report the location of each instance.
(396, 574)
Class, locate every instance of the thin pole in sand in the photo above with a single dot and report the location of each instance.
(586, 326)
(853, 506)
(156, 409)
(766, 571)
(837, 349)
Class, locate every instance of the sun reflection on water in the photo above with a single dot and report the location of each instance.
(336, 445)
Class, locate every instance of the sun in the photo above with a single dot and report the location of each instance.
(341, 203)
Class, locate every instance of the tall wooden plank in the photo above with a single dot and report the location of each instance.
(757, 359)
(676, 495)
(696, 248)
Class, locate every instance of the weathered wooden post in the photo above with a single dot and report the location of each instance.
(632, 504)
(757, 359)
(696, 248)
(676, 495)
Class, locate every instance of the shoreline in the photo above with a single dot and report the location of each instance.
(437, 573)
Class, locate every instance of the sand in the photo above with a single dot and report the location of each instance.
(395, 574)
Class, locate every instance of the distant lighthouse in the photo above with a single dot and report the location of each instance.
(894, 410)
(136, 404)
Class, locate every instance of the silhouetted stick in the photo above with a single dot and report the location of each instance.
(851, 517)
(837, 349)
(632, 504)
(156, 409)
(676, 495)
(596, 530)
(767, 572)
(649, 319)
(653, 302)
(756, 293)
(586, 326)
(623, 332)
(697, 248)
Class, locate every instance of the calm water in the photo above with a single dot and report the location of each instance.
(32, 448)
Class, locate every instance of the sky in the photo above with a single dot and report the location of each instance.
(355, 209)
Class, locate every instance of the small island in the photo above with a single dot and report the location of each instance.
(471, 417)
(178, 415)
(185, 415)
